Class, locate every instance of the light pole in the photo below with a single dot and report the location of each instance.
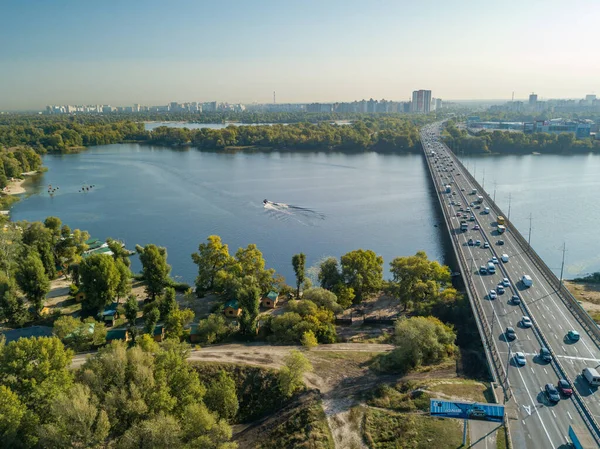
(509, 200)
(495, 185)
(483, 181)
(529, 237)
(562, 266)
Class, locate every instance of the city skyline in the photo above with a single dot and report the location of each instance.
(151, 53)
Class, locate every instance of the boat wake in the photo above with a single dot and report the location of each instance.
(283, 211)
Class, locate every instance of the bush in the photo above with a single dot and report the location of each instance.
(181, 287)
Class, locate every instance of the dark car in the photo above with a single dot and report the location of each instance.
(500, 242)
(552, 393)
(564, 387)
(510, 333)
(545, 355)
(515, 299)
(471, 242)
(482, 270)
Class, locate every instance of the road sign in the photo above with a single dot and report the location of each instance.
(466, 410)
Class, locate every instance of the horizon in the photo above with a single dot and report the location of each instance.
(150, 53)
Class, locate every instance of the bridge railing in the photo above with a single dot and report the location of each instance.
(567, 299)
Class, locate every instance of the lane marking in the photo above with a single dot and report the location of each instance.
(570, 417)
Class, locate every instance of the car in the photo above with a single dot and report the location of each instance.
(492, 294)
(486, 245)
(472, 204)
(462, 189)
(482, 269)
(500, 242)
(476, 228)
(468, 209)
(477, 242)
(564, 387)
(478, 207)
(458, 174)
(453, 202)
(526, 321)
(520, 359)
(471, 242)
(510, 333)
(573, 335)
(545, 355)
(505, 282)
(552, 393)
(472, 218)
(458, 214)
(500, 289)
(515, 299)
(494, 260)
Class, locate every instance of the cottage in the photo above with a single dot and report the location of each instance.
(118, 334)
(270, 300)
(194, 334)
(232, 308)
(80, 296)
(159, 333)
(110, 314)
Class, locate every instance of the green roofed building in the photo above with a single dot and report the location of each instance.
(270, 300)
(232, 308)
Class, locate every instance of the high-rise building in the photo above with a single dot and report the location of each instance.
(421, 101)
(532, 100)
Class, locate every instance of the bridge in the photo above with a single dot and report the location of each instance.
(533, 420)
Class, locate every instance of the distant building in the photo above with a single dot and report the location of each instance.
(210, 106)
(421, 101)
(533, 100)
(438, 104)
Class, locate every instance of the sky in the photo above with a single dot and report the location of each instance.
(240, 51)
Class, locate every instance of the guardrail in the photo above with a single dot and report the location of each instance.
(491, 351)
(582, 408)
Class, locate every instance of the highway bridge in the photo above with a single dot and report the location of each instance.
(533, 420)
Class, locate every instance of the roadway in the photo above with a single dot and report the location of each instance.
(538, 423)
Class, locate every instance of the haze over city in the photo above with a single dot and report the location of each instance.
(154, 52)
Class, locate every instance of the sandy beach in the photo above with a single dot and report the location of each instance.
(14, 187)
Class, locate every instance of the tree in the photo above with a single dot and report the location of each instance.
(292, 373)
(249, 301)
(131, 310)
(221, 396)
(176, 322)
(421, 341)
(36, 369)
(124, 285)
(211, 257)
(298, 262)
(158, 432)
(151, 317)
(75, 421)
(322, 298)
(201, 429)
(65, 325)
(11, 417)
(309, 340)
(168, 303)
(213, 329)
(12, 307)
(363, 271)
(329, 273)
(155, 270)
(99, 281)
(54, 225)
(33, 281)
(415, 279)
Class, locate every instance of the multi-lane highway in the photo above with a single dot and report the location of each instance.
(536, 422)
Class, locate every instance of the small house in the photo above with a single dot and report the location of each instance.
(194, 334)
(80, 296)
(159, 333)
(232, 309)
(269, 300)
(118, 334)
(110, 314)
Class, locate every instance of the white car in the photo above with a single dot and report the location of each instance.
(492, 294)
(520, 359)
(494, 259)
(526, 321)
(505, 282)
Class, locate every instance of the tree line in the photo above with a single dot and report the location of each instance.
(17, 161)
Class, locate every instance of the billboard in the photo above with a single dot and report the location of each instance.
(466, 410)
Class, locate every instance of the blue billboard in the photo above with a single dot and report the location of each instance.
(466, 410)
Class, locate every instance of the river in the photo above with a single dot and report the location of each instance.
(176, 198)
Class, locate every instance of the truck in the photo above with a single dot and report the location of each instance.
(591, 375)
(501, 229)
(464, 226)
(500, 220)
(526, 280)
(581, 438)
(480, 199)
(448, 188)
(474, 192)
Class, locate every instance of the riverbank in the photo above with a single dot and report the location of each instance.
(15, 187)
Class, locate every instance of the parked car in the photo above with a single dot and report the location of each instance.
(520, 359)
(573, 335)
(492, 294)
(510, 333)
(515, 299)
(564, 387)
(545, 355)
(526, 321)
(552, 393)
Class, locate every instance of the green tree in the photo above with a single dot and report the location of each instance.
(299, 262)
(168, 303)
(211, 258)
(75, 421)
(322, 298)
(37, 370)
(11, 417)
(12, 307)
(329, 273)
(65, 325)
(155, 270)
(291, 375)
(99, 281)
(124, 285)
(33, 281)
(176, 322)
(54, 225)
(213, 329)
(158, 432)
(249, 301)
(202, 430)
(221, 396)
(309, 340)
(363, 271)
(151, 317)
(131, 310)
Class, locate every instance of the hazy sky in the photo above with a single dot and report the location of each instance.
(152, 52)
